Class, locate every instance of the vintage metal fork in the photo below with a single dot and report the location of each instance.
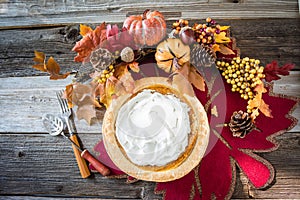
(69, 120)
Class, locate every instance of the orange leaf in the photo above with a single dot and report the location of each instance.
(52, 66)
(39, 57)
(264, 108)
(260, 88)
(196, 79)
(68, 93)
(134, 66)
(89, 42)
(255, 102)
(216, 47)
(40, 67)
(258, 103)
(84, 30)
(225, 50)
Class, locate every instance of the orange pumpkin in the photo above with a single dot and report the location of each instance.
(148, 28)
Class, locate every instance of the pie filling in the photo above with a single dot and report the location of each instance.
(153, 128)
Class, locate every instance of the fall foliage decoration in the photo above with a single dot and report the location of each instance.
(148, 28)
(111, 55)
(50, 66)
(171, 54)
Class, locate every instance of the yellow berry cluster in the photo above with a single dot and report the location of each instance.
(105, 74)
(243, 75)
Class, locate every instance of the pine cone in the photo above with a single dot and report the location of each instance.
(241, 124)
(202, 56)
(101, 58)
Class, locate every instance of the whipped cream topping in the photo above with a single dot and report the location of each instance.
(153, 128)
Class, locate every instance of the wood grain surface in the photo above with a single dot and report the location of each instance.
(35, 165)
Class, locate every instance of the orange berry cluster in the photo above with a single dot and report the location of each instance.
(202, 33)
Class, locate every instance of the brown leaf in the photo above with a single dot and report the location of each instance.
(84, 30)
(196, 79)
(41, 67)
(39, 57)
(51, 67)
(128, 82)
(83, 96)
(183, 85)
(225, 50)
(68, 93)
(54, 70)
(86, 112)
(181, 79)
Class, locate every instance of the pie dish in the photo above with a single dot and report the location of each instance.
(163, 169)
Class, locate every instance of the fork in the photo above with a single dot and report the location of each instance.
(67, 115)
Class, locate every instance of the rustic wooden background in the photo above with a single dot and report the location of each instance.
(34, 165)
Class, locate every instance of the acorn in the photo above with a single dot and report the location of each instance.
(187, 35)
(127, 55)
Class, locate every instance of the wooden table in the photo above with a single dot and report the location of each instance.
(35, 165)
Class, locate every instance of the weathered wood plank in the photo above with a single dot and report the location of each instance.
(57, 174)
(22, 13)
(267, 40)
(24, 100)
(49, 168)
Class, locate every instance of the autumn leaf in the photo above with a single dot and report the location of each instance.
(134, 66)
(224, 28)
(196, 79)
(258, 103)
(51, 66)
(68, 94)
(83, 95)
(225, 50)
(221, 38)
(89, 42)
(84, 30)
(185, 76)
(272, 70)
(216, 47)
(39, 57)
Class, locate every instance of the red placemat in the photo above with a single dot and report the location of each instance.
(215, 176)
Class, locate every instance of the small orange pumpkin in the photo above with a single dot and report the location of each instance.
(148, 28)
(171, 54)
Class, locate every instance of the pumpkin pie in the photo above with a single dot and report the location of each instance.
(157, 133)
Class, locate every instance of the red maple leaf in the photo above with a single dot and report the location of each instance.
(272, 70)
